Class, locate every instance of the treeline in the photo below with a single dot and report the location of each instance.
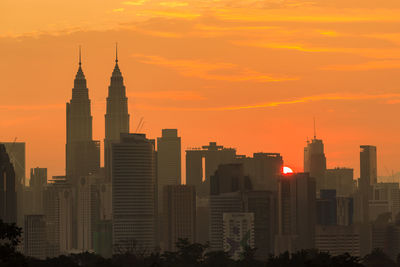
(187, 255)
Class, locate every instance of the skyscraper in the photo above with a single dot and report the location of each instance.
(117, 116)
(368, 177)
(168, 161)
(179, 215)
(134, 193)
(315, 161)
(37, 183)
(296, 212)
(82, 153)
(8, 197)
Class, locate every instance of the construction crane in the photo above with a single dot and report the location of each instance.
(140, 125)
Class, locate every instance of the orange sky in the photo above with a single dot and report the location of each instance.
(249, 74)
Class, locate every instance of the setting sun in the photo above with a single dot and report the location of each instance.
(287, 170)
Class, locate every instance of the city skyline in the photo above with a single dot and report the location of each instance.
(184, 63)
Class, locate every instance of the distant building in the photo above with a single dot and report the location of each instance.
(37, 183)
(35, 241)
(296, 213)
(238, 233)
(385, 198)
(82, 153)
(338, 240)
(117, 116)
(344, 211)
(229, 178)
(17, 154)
(368, 177)
(168, 162)
(179, 214)
(8, 197)
(202, 219)
(315, 161)
(134, 193)
(327, 208)
(201, 163)
(385, 235)
(264, 169)
(341, 180)
(263, 204)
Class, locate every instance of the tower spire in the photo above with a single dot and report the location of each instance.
(315, 130)
(116, 52)
(80, 57)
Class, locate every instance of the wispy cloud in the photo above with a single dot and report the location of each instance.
(134, 3)
(174, 4)
(212, 70)
(169, 95)
(370, 65)
(121, 9)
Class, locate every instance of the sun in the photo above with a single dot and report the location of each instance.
(287, 170)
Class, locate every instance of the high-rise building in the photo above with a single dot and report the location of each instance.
(179, 214)
(201, 163)
(117, 116)
(134, 193)
(35, 242)
(82, 153)
(327, 208)
(58, 202)
(238, 233)
(8, 197)
(264, 169)
(37, 183)
(296, 213)
(168, 162)
(315, 161)
(16, 153)
(368, 177)
(385, 198)
(263, 205)
(344, 211)
(229, 178)
(341, 180)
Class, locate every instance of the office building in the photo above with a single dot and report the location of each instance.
(341, 180)
(117, 116)
(201, 163)
(296, 213)
(238, 233)
(134, 193)
(327, 208)
(315, 161)
(35, 242)
(179, 214)
(168, 162)
(264, 169)
(338, 240)
(37, 183)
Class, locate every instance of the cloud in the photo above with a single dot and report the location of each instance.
(169, 95)
(370, 65)
(212, 70)
(134, 3)
(174, 4)
(119, 9)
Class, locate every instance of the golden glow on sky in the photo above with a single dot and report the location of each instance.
(249, 74)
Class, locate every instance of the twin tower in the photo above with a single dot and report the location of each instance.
(82, 152)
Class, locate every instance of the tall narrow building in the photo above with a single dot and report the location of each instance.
(315, 161)
(82, 153)
(117, 116)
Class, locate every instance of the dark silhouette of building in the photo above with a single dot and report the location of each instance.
(35, 241)
(8, 196)
(315, 161)
(117, 116)
(134, 193)
(327, 207)
(368, 177)
(229, 178)
(179, 214)
(201, 163)
(82, 153)
(264, 170)
(296, 213)
(37, 183)
(341, 180)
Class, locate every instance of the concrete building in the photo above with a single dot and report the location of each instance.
(201, 163)
(168, 162)
(341, 180)
(385, 198)
(229, 178)
(134, 193)
(296, 213)
(344, 211)
(179, 214)
(264, 170)
(338, 240)
(238, 233)
(327, 207)
(35, 241)
(315, 161)
(8, 196)
(116, 117)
